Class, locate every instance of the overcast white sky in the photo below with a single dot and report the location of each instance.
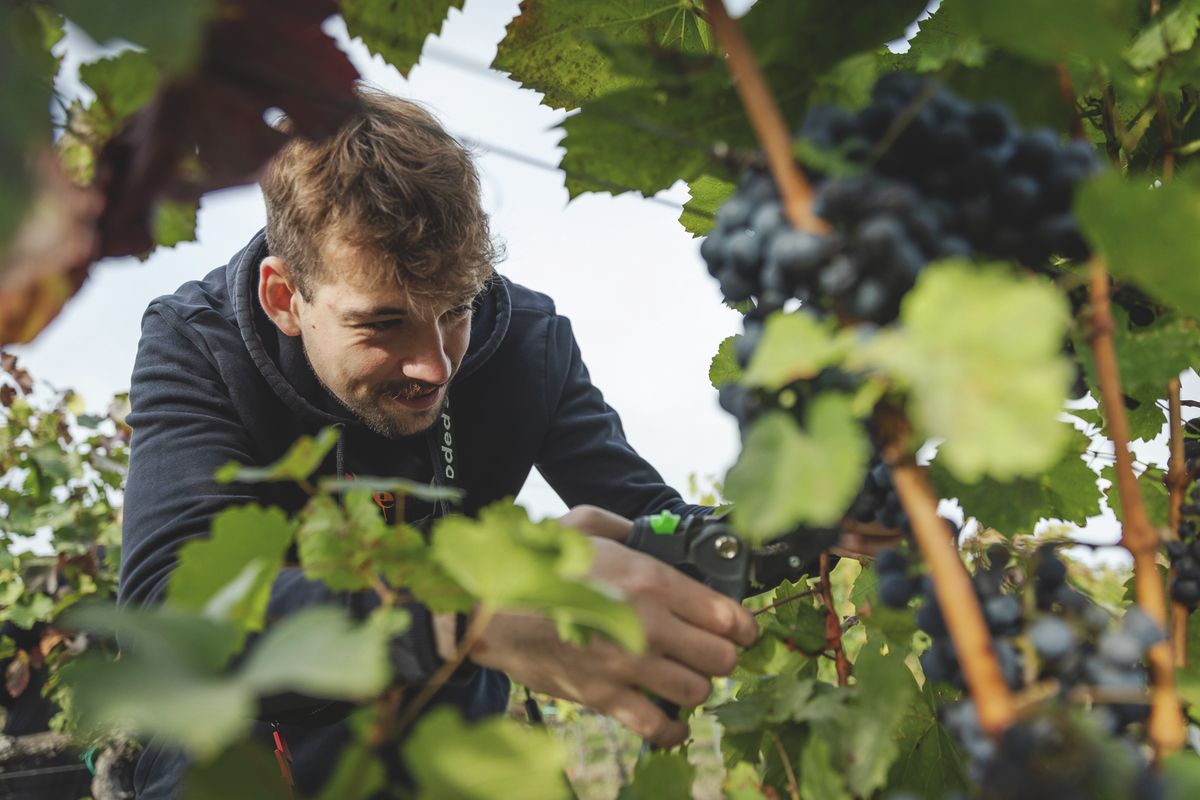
(647, 316)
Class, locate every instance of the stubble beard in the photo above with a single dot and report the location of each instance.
(371, 414)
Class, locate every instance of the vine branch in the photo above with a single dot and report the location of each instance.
(766, 118)
(475, 629)
(1177, 483)
(954, 592)
(1166, 728)
(793, 786)
(833, 625)
(788, 599)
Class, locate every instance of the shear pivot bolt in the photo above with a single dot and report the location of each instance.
(727, 546)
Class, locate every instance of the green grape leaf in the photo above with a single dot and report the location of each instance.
(1187, 678)
(170, 32)
(244, 770)
(33, 609)
(347, 545)
(1067, 491)
(929, 764)
(768, 702)
(501, 753)
(660, 776)
(123, 83)
(162, 635)
(794, 346)
(552, 47)
(646, 135)
(786, 475)
(167, 682)
(742, 783)
(399, 486)
(1169, 33)
(1147, 356)
(820, 775)
(174, 222)
(1029, 89)
(1155, 496)
(705, 195)
(944, 39)
(300, 461)
(507, 561)
(886, 688)
(397, 33)
(1093, 30)
(979, 352)
(1181, 776)
(318, 651)
(1147, 419)
(359, 775)
(202, 714)
(27, 69)
(788, 635)
(242, 536)
(1145, 233)
(724, 367)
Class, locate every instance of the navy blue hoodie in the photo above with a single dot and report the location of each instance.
(215, 381)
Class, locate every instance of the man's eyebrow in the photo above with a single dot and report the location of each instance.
(371, 313)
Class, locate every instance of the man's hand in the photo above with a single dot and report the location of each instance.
(692, 634)
(596, 521)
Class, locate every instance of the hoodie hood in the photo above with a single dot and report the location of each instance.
(281, 360)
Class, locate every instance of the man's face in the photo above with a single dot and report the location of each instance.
(388, 362)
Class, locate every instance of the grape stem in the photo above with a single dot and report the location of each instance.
(1166, 728)
(475, 628)
(1067, 89)
(766, 118)
(833, 625)
(788, 599)
(1177, 482)
(793, 787)
(952, 587)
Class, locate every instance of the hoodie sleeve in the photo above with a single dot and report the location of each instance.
(185, 426)
(585, 457)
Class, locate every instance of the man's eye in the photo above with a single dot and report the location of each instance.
(461, 311)
(379, 326)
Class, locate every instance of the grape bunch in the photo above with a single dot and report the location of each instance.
(1002, 612)
(942, 178)
(1185, 551)
(1052, 755)
(747, 403)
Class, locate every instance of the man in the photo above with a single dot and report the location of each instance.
(371, 302)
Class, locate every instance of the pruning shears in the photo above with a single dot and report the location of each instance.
(708, 549)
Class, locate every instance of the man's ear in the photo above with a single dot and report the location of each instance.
(278, 295)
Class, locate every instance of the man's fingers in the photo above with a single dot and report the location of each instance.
(707, 608)
(596, 521)
(638, 713)
(698, 649)
(672, 681)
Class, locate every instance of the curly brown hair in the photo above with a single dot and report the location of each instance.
(392, 183)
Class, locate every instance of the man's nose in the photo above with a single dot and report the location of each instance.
(428, 360)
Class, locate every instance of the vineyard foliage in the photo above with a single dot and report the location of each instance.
(860, 685)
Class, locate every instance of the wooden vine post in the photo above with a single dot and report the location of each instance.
(955, 594)
(1177, 483)
(1167, 729)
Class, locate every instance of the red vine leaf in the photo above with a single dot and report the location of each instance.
(16, 675)
(257, 55)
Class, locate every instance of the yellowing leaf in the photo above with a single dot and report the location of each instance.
(979, 352)
(787, 475)
(793, 346)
